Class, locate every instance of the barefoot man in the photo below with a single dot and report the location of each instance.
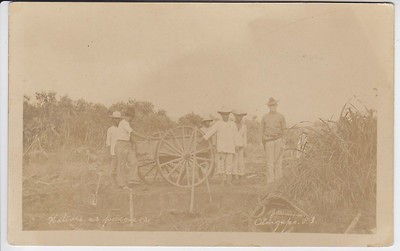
(225, 131)
(241, 144)
(273, 126)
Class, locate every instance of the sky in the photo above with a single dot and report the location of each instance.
(198, 57)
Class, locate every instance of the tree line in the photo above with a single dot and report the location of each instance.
(65, 122)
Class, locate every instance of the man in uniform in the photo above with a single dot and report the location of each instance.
(273, 127)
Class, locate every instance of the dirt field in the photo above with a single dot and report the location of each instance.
(58, 194)
(59, 197)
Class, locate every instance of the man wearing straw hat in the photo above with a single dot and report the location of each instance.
(111, 140)
(273, 126)
(241, 143)
(225, 131)
(125, 150)
(205, 126)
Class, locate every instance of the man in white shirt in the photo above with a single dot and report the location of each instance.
(205, 126)
(125, 150)
(111, 140)
(241, 143)
(225, 131)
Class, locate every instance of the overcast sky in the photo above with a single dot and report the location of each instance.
(198, 57)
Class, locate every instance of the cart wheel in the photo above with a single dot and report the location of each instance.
(183, 157)
(148, 172)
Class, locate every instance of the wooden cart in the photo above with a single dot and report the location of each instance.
(179, 156)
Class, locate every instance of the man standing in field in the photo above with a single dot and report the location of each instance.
(225, 130)
(111, 140)
(273, 126)
(205, 126)
(241, 143)
(125, 149)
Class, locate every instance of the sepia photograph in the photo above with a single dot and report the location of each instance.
(247, 118)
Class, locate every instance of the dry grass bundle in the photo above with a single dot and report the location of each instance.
(338, 171)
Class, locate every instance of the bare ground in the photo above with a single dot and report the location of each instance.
(58, 195)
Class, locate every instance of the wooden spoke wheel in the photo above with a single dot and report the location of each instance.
(148, 171)
(183, 157)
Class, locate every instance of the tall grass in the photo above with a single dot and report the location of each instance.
(338, 170)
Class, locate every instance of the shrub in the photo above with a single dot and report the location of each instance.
(52, 123)
(338, 171)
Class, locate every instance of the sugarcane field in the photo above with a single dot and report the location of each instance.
(199, 124)
(180, 175)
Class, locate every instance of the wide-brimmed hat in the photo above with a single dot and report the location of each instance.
(117, 115)
(224, 110)
(239, 112)
(207, 118)
(272, 101)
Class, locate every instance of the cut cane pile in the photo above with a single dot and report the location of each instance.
(335, 178)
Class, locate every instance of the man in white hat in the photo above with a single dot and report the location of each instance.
(205, 126)
(125, 150)
(225, 131)
(241, 144)
(111, 140)
(273, 126)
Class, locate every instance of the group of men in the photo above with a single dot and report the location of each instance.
(228, 136)
(230, 140)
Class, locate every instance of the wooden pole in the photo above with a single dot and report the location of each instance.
(193, 167)
(192, 192)
(208, 189)
(97, 189)
(131, 213)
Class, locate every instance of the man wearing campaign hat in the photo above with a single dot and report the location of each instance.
(225, 131)
(273, 126)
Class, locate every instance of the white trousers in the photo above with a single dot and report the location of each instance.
(238, 162)
(224, 163)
